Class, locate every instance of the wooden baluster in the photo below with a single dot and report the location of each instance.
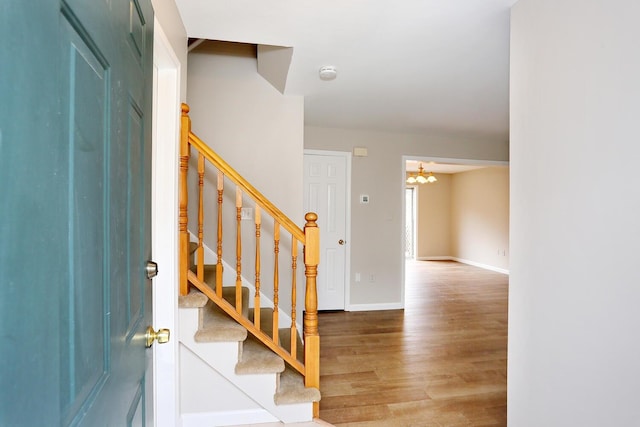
(185, 128)
(219, 249)
(276, 277)
(256, 302)
(238, 250)
(200, 262)
(311, 336)
(294, 269)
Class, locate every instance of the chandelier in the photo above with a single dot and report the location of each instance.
(421, 178)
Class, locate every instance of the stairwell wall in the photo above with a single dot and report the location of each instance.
(255, 128)
(259, 132)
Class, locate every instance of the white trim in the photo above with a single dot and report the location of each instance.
(478, 264)
(426, 159)
(347, 262)
(464, 261)
(165, 129)
(376, 307)
(210, 419)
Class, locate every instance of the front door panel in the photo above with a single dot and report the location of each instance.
(75, 211)
(85, 354)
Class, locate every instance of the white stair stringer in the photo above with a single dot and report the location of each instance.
(223, 358)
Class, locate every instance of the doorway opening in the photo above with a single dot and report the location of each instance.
(462, 215)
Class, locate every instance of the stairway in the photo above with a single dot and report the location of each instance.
(250, 366)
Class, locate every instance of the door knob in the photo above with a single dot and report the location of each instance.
(341, 242)
(162, 336)
(151, 269)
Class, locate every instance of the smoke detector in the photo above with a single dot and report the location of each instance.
(328, 73)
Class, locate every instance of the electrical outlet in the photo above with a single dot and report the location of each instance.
(358, 277)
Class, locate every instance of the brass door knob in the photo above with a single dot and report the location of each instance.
(162, 336)
(341, 242)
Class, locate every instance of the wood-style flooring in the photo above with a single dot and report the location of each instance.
(440, 362)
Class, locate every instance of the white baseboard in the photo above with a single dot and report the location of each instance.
(464, 261)
(478, 264)
(375, 307)
(211, 419)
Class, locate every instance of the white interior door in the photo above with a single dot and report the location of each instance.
(326, 193)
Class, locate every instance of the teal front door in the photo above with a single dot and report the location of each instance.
(75, 168)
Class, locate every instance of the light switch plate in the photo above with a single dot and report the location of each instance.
(246, 213)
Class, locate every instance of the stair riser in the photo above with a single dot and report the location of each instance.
(223, 357)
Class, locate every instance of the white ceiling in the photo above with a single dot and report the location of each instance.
(415, 66)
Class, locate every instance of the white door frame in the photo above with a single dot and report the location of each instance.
(347, 262)
(403, 184)
(164, 228)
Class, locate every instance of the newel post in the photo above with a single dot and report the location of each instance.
(183, 199)
(311, 336)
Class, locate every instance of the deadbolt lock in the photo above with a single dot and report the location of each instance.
(152, 269)
(162, 336)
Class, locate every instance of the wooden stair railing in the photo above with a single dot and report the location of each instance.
(309, 238)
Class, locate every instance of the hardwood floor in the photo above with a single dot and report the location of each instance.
(440, 362)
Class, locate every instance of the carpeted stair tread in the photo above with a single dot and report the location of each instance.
(256, 358)
(291, 389)
(194, 299)
(209, 274)
(285, 341)
(266, 320)
(284, 334)
(216, 325)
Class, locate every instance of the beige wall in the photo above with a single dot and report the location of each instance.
(465, 216)
(376, 228)
(259, 132)
(480, 217)
(250, 124)
(433, 231)
(575, 232)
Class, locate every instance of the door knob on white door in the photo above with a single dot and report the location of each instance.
(341, 242)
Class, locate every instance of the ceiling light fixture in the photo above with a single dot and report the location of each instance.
(420, 178)
(328, 72)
